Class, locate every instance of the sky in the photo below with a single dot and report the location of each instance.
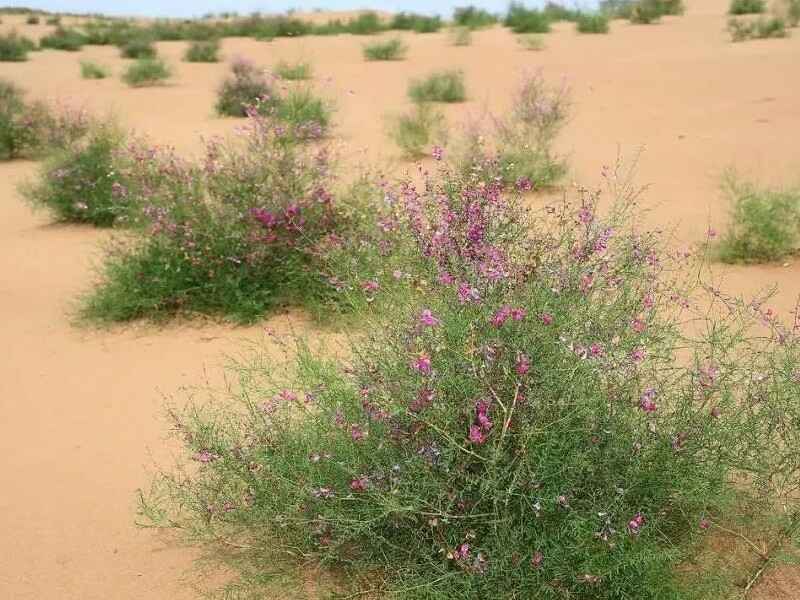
(189, 8)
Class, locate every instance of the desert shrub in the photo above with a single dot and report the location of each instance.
(461, 36)
(592, 23)
(138, 47)
(202, 52)
(531, 41)
(393, 49)
(525, 20)
(293, 72)
(246, 86)
(441, 86)
(644, 12)
(617, 9)
(746, 7)
(419, 130)
(765, 223)
(54, 20)
(308, 116)
(403, 21)
(81, 183)
(524, 418)
(235, 235)
(93, 70)
(63, 38)
(473, 17)
(331, 27)
(32, 20)
(791, 10)
(14, 47)
(108, 32)
(762, 28)
(672, 7)
(367, 23)
(147, 72)
(558, 12)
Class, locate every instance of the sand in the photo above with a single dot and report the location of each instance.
(82, 426)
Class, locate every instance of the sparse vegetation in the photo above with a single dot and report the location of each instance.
(412, 22)
(393, 49)
(93, 70)
(531, 41)
(761, 28)
(14, 47)
(202, 52)
(293, 71)
(765, 223)
(32, 20)
(461, 36)
(525, 20)
(147, 72)
(54, 20)
(308, 115)
(367, 23)
(245, 87)
(473, 17)
(747, 7)
(63, 38)
(442, 86)
(644, 12)
(592, 23)
(138, 47)
(419, 130)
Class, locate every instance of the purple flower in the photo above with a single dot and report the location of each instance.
(461, 552)
(638, 355)
(359, 484)
(524, 184)
(523, 365)
(446, 279)
(437, 152)
(426, 318)
(635, 524)
(597, 350)
(422, 364)
(482, 415)
(704, 524)
(205, 456)
(468, 294)
(537, 559)
(476, 434)
(547, 318)
(370, 286)
(638, 325)
(501, 316)
(518, 314)
(357, 434)
(585, 215)
(647, 401)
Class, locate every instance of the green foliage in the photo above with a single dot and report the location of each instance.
(441, 86)
(746, 7)
(147, 72)
(592, 23)
(765, 223)
(202, 52)
(761, 28)
(32, 20)
(138, 47)
(403, 21)
(557, 12)
(14, 47)
(644, 12)
(461, 36)
(473, 18)
(308, 115)
(367, 23)
(393, 49)
(525, 20)
(293, 72)
(54, 20)
(417, 131)
(531, 41)
(109, 32)
(63, 38)
(93, 70)
(245, 87)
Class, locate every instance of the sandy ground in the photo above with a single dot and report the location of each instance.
(81, 410)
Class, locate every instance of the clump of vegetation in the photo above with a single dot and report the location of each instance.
(202, 52)
(765, 223)
(308, 116)
(761, 28)
(644, 12)
(138, 47)
(32, 20)
(14, 47)
(403, 21)
(367, 23)
(419, 130)
(147, 72)
(525, 20)
(245, 87)
(393, 49)
(523, 416)
(461, 36)
(81, 184)
(746, 7)
(472, 17)
(442, 86)
(54, 20)
(293, 72)
(211, 240)
(558, 12)
(93, 70)
(63, 38)
(592, 23)
(531, 41)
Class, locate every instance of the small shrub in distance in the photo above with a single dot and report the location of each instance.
(531, 41)
(442, 86)
(558, 12)
(93, 70)
(293, 71)
(746, 7)
(63, 38)
(147, 72)
(32, 20)
(367, 23)
(138, 47)
(418, 131)
(592, 23)
(762, 28)
(412, 22)
(525, 20)
(393, 49)
(14, 47)
(202, 52)
(461, 36)
(473, 17)
(54, 20)
(245, 87)
(765, 223)
(308, 116)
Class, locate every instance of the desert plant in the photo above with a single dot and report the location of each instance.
(202, 52)
(93, 70)
(761, 28)
(765, 223)
(393, 49)
(147, 72)
(592, 23)
(531, 41)
(419, 130)
(412, 22)
(644, 12)
(441, 86)
(245, 87)
(308, 116)
(746, 7)
(54, 20)
(14, 47)
(525, 20)
(525, 417)
(790, 10)
(32, 20)
(138, 47)
(367, 23)
(558, 12)
(461, 36)
(473, 17)
(293, 71)
(63, 38)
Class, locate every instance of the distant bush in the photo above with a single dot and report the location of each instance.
(461, 36)
(644, 12)
(138, 47)
(746, 7)
(762, 28)
(55, 20)
(525, 20)
(765, 223)
(592, 23)
(109, 33)
(412, 22)
(418, 131)
(293, 72)
(14, 47)
(245, 87)
(367, 23)
(202, 52)
(473, 17)
(531, 41)
(442, 86)
(307, 115)
(393, 49)
(32, 20)
(147, 72)
(92, 70)
(558, 12)
(62, 38)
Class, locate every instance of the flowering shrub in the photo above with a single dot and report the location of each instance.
(246, 86)
(524, 415)
(234, 235)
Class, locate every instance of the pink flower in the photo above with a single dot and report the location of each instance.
(370, 286)
(461, 552)
(445, 278)
(537, 559)
(501, 316)
(597, 350)
(716, 412)
(482, 415)
(438, 153)
(638, 325)
(635, 524)
(422, 364)
(638, 355)
(587, 281)
(546, 318)
(585, 215)
(423, 400)
(476, 435)
(518, 314)
(359, 484)
(711, 233)
(704, 524)
(524, 184)
(426, 318)
(523, 365)
(647, 401)
(205, 456)
(468, 294)
(357, 434)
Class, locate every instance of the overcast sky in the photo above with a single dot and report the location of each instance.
(188, 8)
